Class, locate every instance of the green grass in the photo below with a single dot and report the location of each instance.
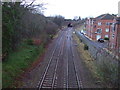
(19, 60)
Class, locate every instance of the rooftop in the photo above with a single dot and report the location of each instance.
(106, 17)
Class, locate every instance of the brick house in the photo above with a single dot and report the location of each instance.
(105, 25)
(89, 27)
(114, 43)
(99, 27)
(118, 36)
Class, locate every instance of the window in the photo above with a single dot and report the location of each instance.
(94, 26)
(107, 30)
(113, 27)
(99, 23)
(113, 36)
(107, 23)
(106, 36)
(99, 30)
(113, 45)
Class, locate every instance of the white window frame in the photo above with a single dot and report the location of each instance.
(99, 23)
(107, 23)
(113, 36)
(113, 27)
(106, 36)
(112, 45)
(100, 29)
(107, 29)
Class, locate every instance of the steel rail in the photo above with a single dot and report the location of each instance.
(79, 82)
(56, 67)
(67, 65)
(48, 65)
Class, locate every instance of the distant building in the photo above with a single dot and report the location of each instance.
(99, 27)
(114, 43)
(108, 26)
(89, 28)
(118, 36)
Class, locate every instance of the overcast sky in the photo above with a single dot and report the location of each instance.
(84, 8)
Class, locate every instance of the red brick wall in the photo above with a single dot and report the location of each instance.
(112, 43)
(103, 27)
(93, 28)
(88, 27)
(116, 40)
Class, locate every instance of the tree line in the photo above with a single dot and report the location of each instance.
(21, 21)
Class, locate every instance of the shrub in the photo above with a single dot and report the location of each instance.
(86, 47)
(51, 36)
(18, 61)
(29, 41)
(106, 38)
(80, 40)
(108, 73)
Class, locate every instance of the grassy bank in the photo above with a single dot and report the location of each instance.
(18, 61)
(85, 55)
(104, 71)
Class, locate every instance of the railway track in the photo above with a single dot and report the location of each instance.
(48, 79)
(51, 78)
(79, 81)
(73, 79)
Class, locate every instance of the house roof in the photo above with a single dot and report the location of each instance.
(106, 17)
(99, 17)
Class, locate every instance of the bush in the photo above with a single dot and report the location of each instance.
(86, 47)
(80, 40)
(18, 61)
(108, 73)
(17, 25)
(106, 38)
(58, 20)
(29, 41)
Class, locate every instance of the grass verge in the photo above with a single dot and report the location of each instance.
(19, 60)
(104, 71)
(85, 54)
